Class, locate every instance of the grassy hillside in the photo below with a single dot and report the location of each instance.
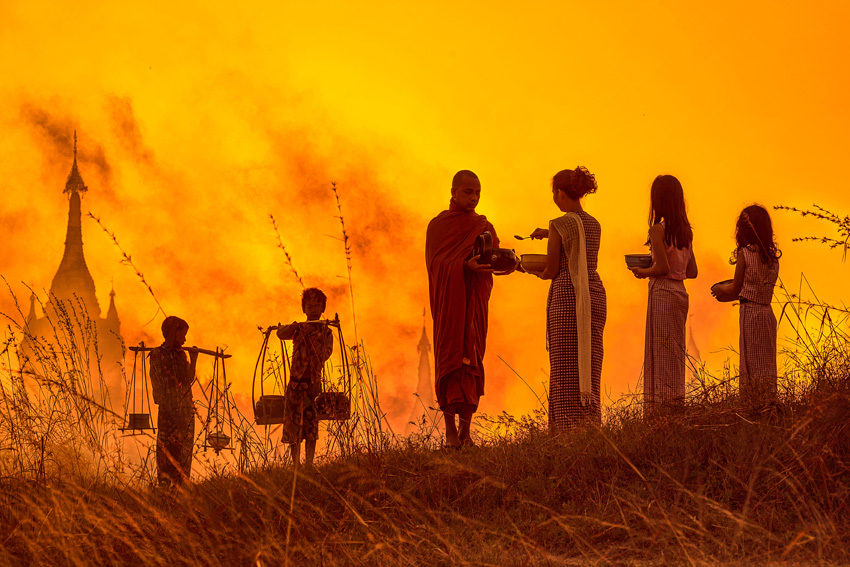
(711, 485)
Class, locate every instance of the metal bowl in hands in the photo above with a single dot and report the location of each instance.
(533, 263)
(638, 260)
(723, 297)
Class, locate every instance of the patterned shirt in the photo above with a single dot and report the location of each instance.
(312, 345)
(759, 278)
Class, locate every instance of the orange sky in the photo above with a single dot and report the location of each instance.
(197, 120)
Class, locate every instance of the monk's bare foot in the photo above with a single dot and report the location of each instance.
(452, 440)
(464, 429)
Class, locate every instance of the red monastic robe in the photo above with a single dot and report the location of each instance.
(459, 298)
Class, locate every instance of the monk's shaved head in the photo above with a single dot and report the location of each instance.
(459, 176)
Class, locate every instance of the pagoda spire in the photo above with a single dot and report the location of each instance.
(112, 312)
(424, 348)
(424, 412)
(73, 277)
(75, 182)
(32, 314)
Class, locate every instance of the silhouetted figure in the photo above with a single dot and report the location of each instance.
(459, 291)
(172, 375)
(576, 308)
(670, 240)
(312, 345)
(756, 261)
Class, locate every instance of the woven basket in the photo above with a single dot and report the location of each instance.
(269, 410)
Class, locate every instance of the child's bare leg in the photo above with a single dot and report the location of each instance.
(309, 452)
(452, 439)
(295, 451)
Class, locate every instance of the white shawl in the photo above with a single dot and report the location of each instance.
(577, 259)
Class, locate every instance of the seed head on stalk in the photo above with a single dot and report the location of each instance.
(128, 260)
(347, 245)
(842, 225)
(285, 252)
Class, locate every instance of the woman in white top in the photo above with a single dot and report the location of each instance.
(671, 244)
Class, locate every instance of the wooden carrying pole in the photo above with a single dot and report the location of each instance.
(218, 354)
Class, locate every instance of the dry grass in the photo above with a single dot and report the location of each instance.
(709, 485)
(56, 418)
(712, 484)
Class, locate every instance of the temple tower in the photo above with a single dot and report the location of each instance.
(72, 285)
(73, 277)
(425, 405)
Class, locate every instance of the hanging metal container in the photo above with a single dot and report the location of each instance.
(137, 415)
(218, 440)
(138, 421)
(219, 422)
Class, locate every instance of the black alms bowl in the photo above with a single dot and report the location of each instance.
(503, 261)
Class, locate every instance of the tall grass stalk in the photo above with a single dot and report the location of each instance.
(369, 421)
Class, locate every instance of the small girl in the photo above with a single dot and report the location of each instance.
(670, 240)
(312, 345)
(756, 261)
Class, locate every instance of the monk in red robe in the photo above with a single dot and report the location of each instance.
(460, 291)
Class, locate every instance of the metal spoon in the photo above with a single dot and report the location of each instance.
(518, 237)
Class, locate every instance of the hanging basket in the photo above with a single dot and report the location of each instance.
(332, 406)
(269, 409)
(138, 421)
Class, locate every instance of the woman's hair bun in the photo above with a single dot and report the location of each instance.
(583, 181)
(576, 182)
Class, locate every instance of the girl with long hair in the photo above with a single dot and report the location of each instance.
(756, 261)
(576, 306)
(671, 245)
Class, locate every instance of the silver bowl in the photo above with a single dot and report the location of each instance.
(725, 299)
(639, 260)
(533, 263)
